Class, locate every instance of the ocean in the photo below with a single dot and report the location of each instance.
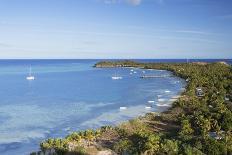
(71, 95)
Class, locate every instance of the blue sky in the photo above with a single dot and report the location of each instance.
(116, 29)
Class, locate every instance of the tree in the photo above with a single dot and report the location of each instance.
(204, 125)
(226, 121)
(186, 130)
(189, 150)
(124, 146)
(152, 144)
(169, 147)
(214, 147)
(89, 136)
(75, 136)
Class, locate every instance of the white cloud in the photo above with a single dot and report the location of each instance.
(131, 2)
(193, 32)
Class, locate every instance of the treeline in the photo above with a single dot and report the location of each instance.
(125, 63)
(195, 125)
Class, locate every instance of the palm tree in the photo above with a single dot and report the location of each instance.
(90, 137)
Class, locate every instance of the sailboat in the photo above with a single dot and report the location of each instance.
(116, 77)
(30, 77)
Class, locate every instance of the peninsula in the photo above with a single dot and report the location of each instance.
(199, 122)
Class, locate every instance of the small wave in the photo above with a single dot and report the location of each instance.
(67, 129)
(175, 82)
(176, 97)
(173, 100)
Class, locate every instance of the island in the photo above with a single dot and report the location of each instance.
(199, 121)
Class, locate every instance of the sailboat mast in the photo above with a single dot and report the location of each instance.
(30, 71)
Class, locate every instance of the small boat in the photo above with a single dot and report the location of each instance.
(163, 105)
(131, 70)
(116, 77)
(167, 91)
(123, 108)
(30, 76)
(148, 107)
(131, 73)
(161, 100)
(135, 72)
(151, 101)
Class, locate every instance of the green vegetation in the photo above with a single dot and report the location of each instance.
(185, 129)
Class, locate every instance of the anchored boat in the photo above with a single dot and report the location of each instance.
(30, 76)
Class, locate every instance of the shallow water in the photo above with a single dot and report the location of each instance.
(70, 95)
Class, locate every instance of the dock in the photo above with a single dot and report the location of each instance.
(156, 76)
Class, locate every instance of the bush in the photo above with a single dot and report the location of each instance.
(169, 147)
(124, 146)
(214, 147)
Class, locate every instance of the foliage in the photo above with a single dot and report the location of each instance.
(214, 147)
(226, 121)
(189, 150)
(194, 117)
(186, 130)
(124, 146)
(170, 147)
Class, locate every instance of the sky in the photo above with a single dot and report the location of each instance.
(158, 29)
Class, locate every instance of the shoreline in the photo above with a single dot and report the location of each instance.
(166, 122)
(142, 116)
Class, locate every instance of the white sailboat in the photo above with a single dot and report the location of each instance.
(30, 76)
(123, 108)
(116, 77)
(148, 107)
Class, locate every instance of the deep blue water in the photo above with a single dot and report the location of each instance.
(69, 95)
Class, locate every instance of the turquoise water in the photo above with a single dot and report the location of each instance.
(70, 95)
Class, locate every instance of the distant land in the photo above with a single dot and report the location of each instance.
(199, 122)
